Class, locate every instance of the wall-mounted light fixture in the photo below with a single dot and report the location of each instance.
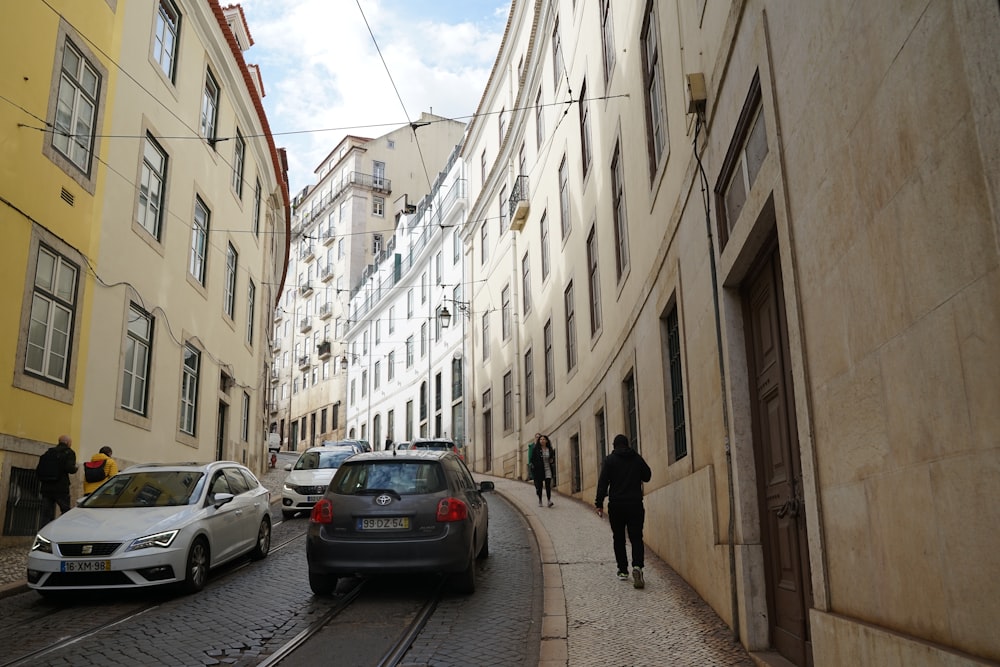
(445, 315)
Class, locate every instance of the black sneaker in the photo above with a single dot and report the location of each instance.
(637, 579)
(623, 576)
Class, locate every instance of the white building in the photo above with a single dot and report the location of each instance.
(340, 229)
(404, 365)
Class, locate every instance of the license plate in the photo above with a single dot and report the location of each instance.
(313, 499)
(85, 565)
(385, 523)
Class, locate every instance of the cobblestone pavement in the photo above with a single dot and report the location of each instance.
(591, 618)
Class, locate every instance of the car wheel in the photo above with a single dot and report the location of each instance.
(465, 581)
(322, 584)
(196, 572)
(263, 539)
(484, 551)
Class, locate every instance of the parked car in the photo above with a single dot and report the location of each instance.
(359, 445)
(444, 444)
(399, 511)
(309, 476)
(154, 524)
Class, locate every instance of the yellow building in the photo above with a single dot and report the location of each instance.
(760, 239)
(169, 209)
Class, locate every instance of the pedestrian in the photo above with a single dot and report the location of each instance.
(55, 465)
(621, 479)
(543, 467)
(388, 444)
(98, 469)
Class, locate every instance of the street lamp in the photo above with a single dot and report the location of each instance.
(445, 315)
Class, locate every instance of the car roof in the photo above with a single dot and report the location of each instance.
(331, 448)
(401, 455)
(185, 465)
(441, 440)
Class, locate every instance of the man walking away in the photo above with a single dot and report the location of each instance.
(53, 470)
(621, 480)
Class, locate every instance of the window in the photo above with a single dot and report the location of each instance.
(593, 282)
(438, 267)
(557, 58)
(570, 327)
(239, 157)
(53, 310)
(136, 360)
(456, 247)
(392, 319)
(378, 206)
(391, 365)
(484, 240)
(631, 408)
(378, 174)
(482, 168)
(539, 119)
(564, 197)
(526, 283)
(76, 108)
(456, 378)
(619, 215)
(199, 240)
(251, 303)
(256, 207)
(229, 295)
(245, 421)
(673, 351)
(652, 75)
(210, 108)
(529, 384)
(165, 40)
(364, 383)
(423, 287)
(423, 339)
(505, 312)
(585, 150)
(189, 389)
(543, 230)
(607, 40)
(501, 125)
(409, 352)
(550, 375)
(508, 401)
(377, 371)
(486, 336)
(504, 205)
(600, 437)
(152, 184)
(744, 165)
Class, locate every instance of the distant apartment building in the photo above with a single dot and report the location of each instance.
(760, 240)
(404, 361)
(145, 238)
(341, 226)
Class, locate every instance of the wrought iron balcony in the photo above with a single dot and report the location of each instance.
(305, 289)
(304, 361)
(327, 274)
(325, 311)
(323, 349)
(305, 325)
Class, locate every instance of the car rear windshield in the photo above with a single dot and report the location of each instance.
(446, 446)
(154, 488)
(315, 460)
(403, 477)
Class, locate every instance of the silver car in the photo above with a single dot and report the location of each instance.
(151, 525)
(399, 511)
(308, 478)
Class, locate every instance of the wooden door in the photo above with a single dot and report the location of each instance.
(779, 469)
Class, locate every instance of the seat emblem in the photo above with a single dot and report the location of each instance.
(383, 499)
(87, 549)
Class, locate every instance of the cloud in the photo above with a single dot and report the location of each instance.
(325, 78)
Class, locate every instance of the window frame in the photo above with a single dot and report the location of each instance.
(189, 390)
(138, 408)
(211, 94)
(198, 260)
(161, 26)
(148, 174)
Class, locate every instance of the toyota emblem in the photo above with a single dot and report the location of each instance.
(383, 499)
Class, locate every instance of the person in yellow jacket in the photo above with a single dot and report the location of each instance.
(110, 468)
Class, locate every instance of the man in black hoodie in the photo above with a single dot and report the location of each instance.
(621, 481)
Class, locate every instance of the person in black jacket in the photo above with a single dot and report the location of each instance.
(621, 480)
(543, 467)
(55, 483)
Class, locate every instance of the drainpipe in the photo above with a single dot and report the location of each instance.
(516, 325)
(706, 199)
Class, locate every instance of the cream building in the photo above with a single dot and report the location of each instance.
(405, 355)
(341, 226)
(761, 240)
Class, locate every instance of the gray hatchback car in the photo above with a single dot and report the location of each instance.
(399, 511)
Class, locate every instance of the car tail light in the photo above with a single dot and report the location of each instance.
(322, 512)
(452, 509)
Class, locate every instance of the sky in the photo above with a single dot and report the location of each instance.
(323, 76)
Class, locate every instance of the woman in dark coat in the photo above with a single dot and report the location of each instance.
(543, 467)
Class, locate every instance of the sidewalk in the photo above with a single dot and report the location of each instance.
(591, 618)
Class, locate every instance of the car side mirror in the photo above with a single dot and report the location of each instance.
(220, 499)
(288, 467)
(486, 486)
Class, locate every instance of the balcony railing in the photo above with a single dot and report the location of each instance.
(307, 253)
(325, 311)
(327, 273)
(519, 206)
(323, 349)
(306, 289)
(275, 375)
(304, 361)
(305, 325)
